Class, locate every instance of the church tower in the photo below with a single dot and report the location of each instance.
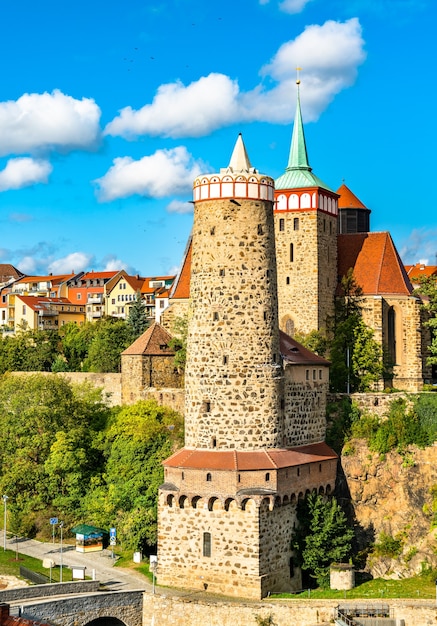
(306, 216)
(228, 504)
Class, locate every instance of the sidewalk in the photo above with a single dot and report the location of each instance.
(99, 565)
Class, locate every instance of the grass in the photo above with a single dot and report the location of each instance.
(125, 559)
(10, 566)
(417, 587)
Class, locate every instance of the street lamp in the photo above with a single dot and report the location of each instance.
(5, 499)
(61, 525)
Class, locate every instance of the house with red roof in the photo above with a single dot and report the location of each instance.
(122, 289)
(42, 313)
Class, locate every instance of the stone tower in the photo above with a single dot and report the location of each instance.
(306, 215)
(227, 507)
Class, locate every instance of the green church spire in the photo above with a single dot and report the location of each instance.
(298, 173)
(298, 152)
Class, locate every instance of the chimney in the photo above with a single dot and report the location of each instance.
(4, 613)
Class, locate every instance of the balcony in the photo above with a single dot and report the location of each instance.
(96, 298)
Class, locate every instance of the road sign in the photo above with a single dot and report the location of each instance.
(113, 541)
(112, 533)
(53, 520)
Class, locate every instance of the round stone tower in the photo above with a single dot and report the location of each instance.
(233, 373)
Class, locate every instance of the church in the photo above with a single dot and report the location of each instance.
(320, 234)
(264, 261)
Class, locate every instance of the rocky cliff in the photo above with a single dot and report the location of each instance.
(393, 497)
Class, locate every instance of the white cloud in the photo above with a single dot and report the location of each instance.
(72, 263)
(178, 206)
(111, 263)
(164, 173)
(420, 245)
(330, 55)
(23, 172)
(48, 121)
(180, 111)
(293, 6)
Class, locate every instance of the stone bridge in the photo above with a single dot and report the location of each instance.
(100, 608)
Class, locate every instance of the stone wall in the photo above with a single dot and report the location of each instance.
(233, 378)
(304, 405)
(54, 589)
(195, 610)
(140, 373)
(407, 372)
(306, 283)
(127, 606)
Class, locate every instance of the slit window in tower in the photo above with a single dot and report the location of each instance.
(287, 280)
(208, 478)
(212, 231)
(267, 477)
(265, 315)
(324, 225)
(207, 544)
(225, 360)
(330, 228)
(207, 407)
(215, 316)
(214, 442)
(296, 223)
(298, 471)
(307, 374)
(260, 229)
(291, 253)
(221, 272)
(281, 224)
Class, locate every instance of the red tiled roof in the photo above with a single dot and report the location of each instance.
(8, 271)
(294, 352)
(34, 302)
(59, 278)
(153, 342)
(181, 286)
(377, 266)
(420, 270)
(237, 460)
(348, 200)
(92, 275)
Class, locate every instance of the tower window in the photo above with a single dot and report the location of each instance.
(221, 272)
(330, 228)
(214, 442)
(324, 225)
(207, 544)
(225, 360)
(207, 407)
(296, 223)
(281, 224)
(212, 231)
(307, 374)
(291, 252)
(260, 229)
(208, 477)
(267, 477)
(215, 316)
(287, 280)
(265, 315)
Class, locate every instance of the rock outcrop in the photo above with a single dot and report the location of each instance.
(393, 495)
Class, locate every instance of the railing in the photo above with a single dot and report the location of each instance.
(38, 579)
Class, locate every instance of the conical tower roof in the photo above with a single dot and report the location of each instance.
(298, 173)
(239, 159)
(348, 200)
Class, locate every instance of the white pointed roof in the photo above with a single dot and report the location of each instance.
(240, 160)
(238, 180)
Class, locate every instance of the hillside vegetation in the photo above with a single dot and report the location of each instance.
(65, 454)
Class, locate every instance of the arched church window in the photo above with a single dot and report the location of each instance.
(391, 334)
(289, 327)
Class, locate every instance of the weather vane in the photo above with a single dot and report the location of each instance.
(298, 69)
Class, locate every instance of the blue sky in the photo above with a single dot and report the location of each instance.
(108, 110)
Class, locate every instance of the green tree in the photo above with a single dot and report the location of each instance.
(315, 340)
(33, 410)
(356, 358)
(428, 287)
(137, 318)
(75, 342)
(137, 440)
(112, 336)
(179, 341)
(322, 537)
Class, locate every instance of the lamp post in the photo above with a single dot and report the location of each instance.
(61, 525)
(5, 499)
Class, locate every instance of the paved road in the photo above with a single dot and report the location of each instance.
(100, 564)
